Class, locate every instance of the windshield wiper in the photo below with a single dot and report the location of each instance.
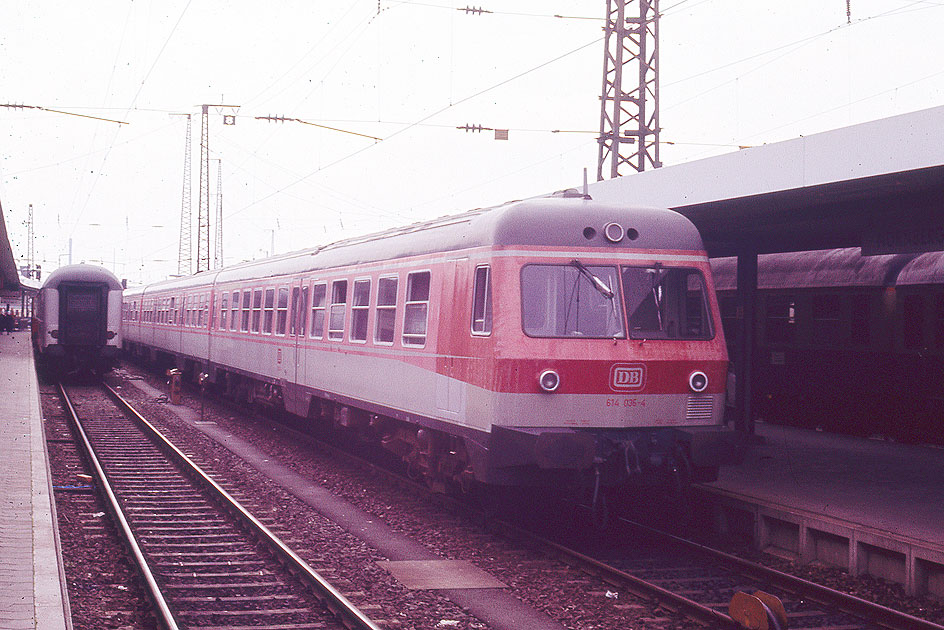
(598, 284)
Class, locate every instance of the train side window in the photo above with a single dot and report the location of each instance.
(202, 313)
(256, 310)
(913, 323)
(224, 307)
(781, 319)
(416, 309)
(826, 326)
(386, 310)
(234, 311)
(247, 309)
(281, 313)
(318, 293)
(482, 301)
(269, 318)
(728, 307)
(338, 306)
(360, 305)
(173, 310)
(860, 321)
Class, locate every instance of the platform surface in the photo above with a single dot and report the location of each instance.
(898, 488)
(32, 582)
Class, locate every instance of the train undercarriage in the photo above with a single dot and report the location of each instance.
(599, 466)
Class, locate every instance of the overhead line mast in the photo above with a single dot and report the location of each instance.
(203, 217)
(629, 105)
(185, 250)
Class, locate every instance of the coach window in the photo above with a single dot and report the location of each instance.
(386, 310)
(826, 325)
(318, 293)
(913, 333)
(281, 311)
(360, 305)
(256, 310)
(269, 319)
(224, 307)
(234, 311)
(247, 310)
(482, 301)
(416, 309)
(173, 310)
(338, 306)
(781, 319)
(202, 313)
(860, 321)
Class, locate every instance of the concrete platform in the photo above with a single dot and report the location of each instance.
(32, 580)
(868, 506)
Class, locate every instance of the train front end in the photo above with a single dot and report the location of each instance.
(614, 366)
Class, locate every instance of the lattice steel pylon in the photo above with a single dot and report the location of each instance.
(203, 215)
(218, 239)
(185, 251)
(630, 117)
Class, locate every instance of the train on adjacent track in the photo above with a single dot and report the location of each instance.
(546, 341)
(76, 325)
(845, 342)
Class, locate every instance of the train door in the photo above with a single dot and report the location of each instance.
(291, 357)
(82, 309)
(452, 295)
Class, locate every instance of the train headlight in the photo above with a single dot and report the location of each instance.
(549, 380)
(698, 381)
(613, 232)
(54, 333)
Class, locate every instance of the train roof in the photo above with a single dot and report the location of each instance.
(562, 220)
(845, 267)
(927, 268)
(81, 273)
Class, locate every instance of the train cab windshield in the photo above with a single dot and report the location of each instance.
(666, 303)
(584, 301)
(572, 300)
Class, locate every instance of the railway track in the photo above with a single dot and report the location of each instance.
(206, 561)
(700, 582)
(695, 580)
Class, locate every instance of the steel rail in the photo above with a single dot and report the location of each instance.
(162, 608)
(337, 603)
(844, 602)
(608, 573)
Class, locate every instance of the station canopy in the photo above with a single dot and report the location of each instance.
(877, 185)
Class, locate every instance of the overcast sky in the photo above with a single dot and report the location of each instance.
(733, 73)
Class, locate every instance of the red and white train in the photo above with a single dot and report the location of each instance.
(539, 341)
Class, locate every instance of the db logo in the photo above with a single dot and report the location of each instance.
(627, 377)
